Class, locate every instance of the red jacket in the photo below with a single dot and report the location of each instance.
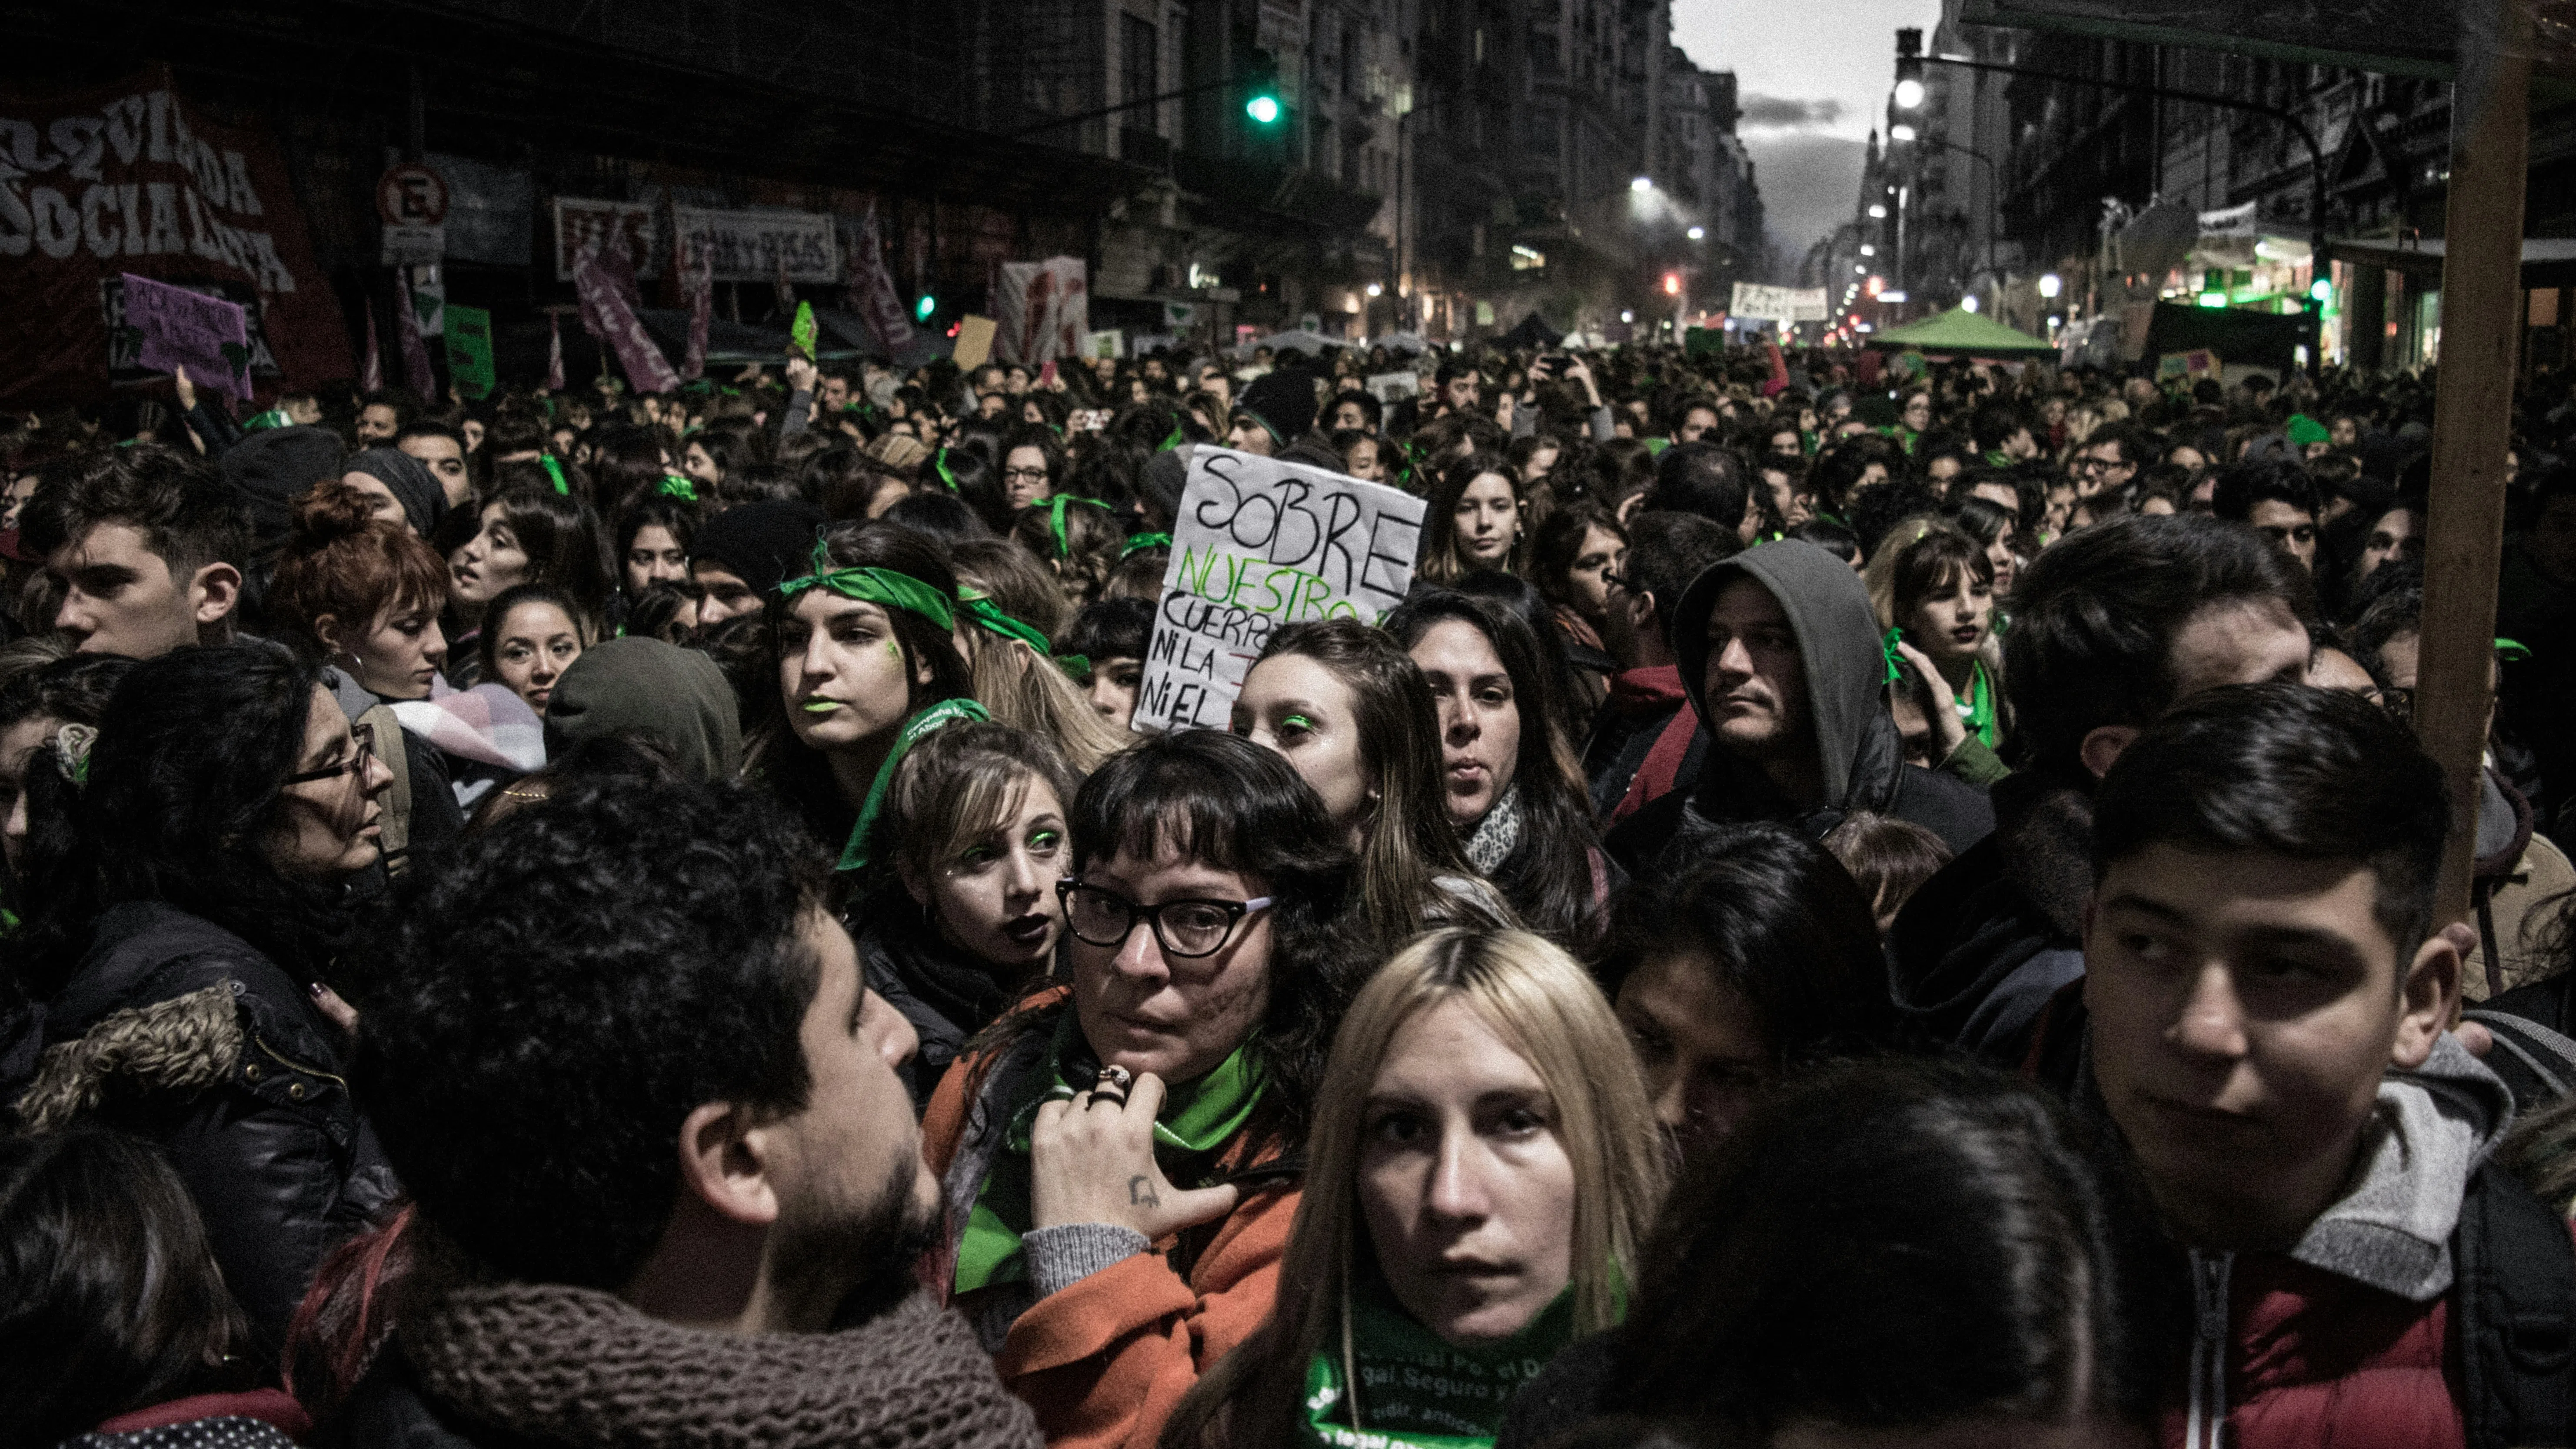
(2313, 1358)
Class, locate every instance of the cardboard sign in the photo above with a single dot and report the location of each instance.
(1778, 304)
(974, 342)
(178, 328)
(2189, 366)
(469, 351)
(1260, 543)
(1395, 387)
(1110, 343)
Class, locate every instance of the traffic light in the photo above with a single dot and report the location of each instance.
(1672, 284)
(1909, 69)
(922, 309)
(1261, 89)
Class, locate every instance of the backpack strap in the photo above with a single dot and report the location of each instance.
(394, 825)
(2514, 1311)
(2538, 1064)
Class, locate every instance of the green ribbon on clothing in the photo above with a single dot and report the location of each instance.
(1977, 711)
(272, 418)
(884, 587)
(2512, 651)
(854, 856)
(1198, 1119)
(1178, 438)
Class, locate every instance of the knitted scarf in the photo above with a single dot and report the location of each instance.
(573, 1366)
(1497, 834)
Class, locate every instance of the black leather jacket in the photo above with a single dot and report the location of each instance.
(242, 1089)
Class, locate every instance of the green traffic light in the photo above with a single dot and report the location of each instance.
(1264, 109)
(922, 309)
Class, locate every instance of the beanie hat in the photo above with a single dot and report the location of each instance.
(758, 542)
(678, 696)
(271, 468)
(423, 501)
(1283, 402)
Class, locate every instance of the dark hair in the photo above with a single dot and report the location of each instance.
(114, 1301)
(972, 473)
(575, 982)
(1548, 876)
(626, 467)
(1993, 424)
(2243, 485)
(941, 515)
(1780, 923)
(74, 689)
(188, 516)
(653, 510)
(497, 614)
(2136, 444)
(1832, 537)
(1370, 407)
(1110, 629)
(183, 789)
(2095, 617)
(1440, 560)
(2285, 769)
(1668, 550)
(1560, 543)
(1889, 858)
(1896, 1245)
(1932, 564)
(1705, 478)
(1231, 804)
(561, 536)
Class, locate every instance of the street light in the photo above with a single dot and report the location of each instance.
(1868, 250)
(1878, 211)
(1375, 290)
(1900, 132)
(2050, 285)
(1697, 233)
(1968, 303)
(1642, 183)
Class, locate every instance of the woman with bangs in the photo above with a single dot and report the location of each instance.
(1120, 1151)
(1934, 589)
(975, 821)
(1482, 1169)
(866, 664)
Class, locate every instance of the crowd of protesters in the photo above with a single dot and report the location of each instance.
(1857, 901)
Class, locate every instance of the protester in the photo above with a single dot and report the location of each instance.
(147, 550)
(525, 535)
(1114, 1157)
(1109, 639)
(1647, 736)
(186, 945)
(1475, 519)
(531, 634)
(1477, 1108)
(36, 706)
(667, 1178)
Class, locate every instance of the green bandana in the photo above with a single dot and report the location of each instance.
(1055, 519)
(1143, 541)
(1978, 709)
(854, 856)
(273, 418)
(988, 616)
(1198, 1119)
(939, 461)
(678, 485)
(1421, 1392)
(555, 471)
(1895, 657)
(1177, 439)
(883, 587)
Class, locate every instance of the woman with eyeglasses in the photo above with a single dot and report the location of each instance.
(185, 938)
(1030, 467)
(1119, 1151)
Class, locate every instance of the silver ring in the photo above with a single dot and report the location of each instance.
(1115, 1076)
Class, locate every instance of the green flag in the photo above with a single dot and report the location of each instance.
(469, 350)
(803, 332)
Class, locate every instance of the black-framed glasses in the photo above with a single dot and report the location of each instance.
(1024, 475)
(356, 764)
(1186, 928)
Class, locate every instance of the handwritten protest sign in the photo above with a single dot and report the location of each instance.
(1778, 304)
(179, 328)
(469, 350)
(1260, 543)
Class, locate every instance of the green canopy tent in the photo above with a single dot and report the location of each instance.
(1961, 333)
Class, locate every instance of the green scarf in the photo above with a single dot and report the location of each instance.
(1198, 1119)
(854, 856)
(1978, 709)
(883, 587)
(1418, 1391)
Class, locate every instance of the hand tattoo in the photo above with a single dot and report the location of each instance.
(1140, 1192)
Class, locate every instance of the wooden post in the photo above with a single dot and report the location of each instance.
(2473, 411)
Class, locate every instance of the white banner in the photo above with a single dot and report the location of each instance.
(1260, 543)
(623, 227)
(1043, 310)
(1778, 304)
(758, 246)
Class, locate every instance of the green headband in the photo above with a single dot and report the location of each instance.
(1143, 541)
(989, 616)
(939, 460)
(1177, 439)
(677, 485)
(874, 586)
(1055, 519)
(854, 856)
(554, 470)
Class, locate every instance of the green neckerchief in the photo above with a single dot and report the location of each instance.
(883, 587)
(1138, 543)
(854, 856)
(988, 615)
(1657, 446)
(555, 471)
(1055, 519)
(1895, 657)
(1198, 1119)
(1978, 709)
(1420, 1391)
(272, 418)
(678, 485)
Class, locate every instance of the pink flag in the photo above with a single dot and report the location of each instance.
(415, 353)
(606, 285)
(554, 353)
(872, 291)
(371, 374)
(698, 279)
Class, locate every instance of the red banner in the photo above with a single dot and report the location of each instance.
(698, 279)
(104, 180)
(606, 286)
(872, 293)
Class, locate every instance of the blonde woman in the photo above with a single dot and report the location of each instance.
(1482, 1165)
(1008, 611)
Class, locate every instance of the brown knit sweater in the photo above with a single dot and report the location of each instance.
(577, 1367)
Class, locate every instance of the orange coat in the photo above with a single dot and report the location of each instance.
(1105, 1361)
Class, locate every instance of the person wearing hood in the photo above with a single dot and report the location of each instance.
(1780, 654)
(1277, 418)
(677, 696)
(2111, 628)
(404, 489)
(2266, 1011)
